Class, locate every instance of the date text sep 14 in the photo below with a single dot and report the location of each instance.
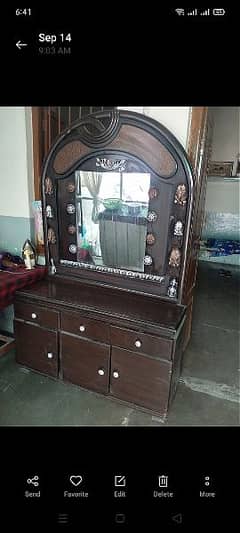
(53, 38)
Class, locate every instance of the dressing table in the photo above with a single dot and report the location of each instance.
(111, 316)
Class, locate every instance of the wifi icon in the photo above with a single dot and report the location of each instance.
(180, 11)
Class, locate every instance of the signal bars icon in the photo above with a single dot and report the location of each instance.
(193, 13)
(180, 11)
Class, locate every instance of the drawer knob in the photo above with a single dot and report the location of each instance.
(50, 355)
(34, 315)
(101, 372)
(138, 344)
(82, 328)
(115, 374)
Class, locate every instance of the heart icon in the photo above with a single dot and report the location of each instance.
(76, 480)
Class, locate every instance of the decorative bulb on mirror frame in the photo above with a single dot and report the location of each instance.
(71, 209)
(71, 187)
(148, 260)
(178, 229)
(181, 194)
(153, 193)
(175, 257)
(150, 239)
(51, 236)
(49, 211)
(172, 288)
(152, 216)
(72, 229)
(48, 186)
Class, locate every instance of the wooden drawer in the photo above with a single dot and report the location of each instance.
(141, 342)
(85, 363)
(88, 328)
(140, 380)
(36, 314)
(36, 348)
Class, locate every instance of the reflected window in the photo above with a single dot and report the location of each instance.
(111, 218)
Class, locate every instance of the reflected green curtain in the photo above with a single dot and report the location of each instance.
(93, 180)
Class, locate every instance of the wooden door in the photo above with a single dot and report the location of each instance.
(47, 123)
(85, 363)
(36, 348)
(140, 380)
(199, 151)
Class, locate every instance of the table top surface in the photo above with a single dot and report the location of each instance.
(111, 304)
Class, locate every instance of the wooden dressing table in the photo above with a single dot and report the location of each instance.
(112, 318)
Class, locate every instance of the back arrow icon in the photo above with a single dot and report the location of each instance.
(19, 44)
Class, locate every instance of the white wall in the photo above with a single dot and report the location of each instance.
(176, 119)
(226, 138)
(223, 197)
(16, 162)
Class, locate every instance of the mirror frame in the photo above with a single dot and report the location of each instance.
(109, 137)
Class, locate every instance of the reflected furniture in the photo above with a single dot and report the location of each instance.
(122, 240)
(111, 315)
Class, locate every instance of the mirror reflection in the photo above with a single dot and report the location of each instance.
(111, 209)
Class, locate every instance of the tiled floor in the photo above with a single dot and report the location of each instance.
(208, 392)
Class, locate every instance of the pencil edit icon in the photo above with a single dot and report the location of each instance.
(120, 481)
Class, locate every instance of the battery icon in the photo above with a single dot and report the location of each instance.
(219, 11)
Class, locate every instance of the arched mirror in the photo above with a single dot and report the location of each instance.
(117, 199)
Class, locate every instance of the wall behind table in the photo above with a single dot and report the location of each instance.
(223, 197)
(16, 178)
(222, 217)
(16, 186)
(226, 139)
(222, 210)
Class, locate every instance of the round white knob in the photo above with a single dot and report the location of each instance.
(34, 315)
(82, 328)
(50, 355)
(115, 374)
(101, 372)
(138, 344)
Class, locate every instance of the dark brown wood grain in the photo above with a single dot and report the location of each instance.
(113, 319)
(117, 333)
(45, 317)
(64, 197)
(94, 329)
(33, 344)
(199, 152)
(37, 150)
(68, 155)
(157, 346)
(178, 347)
(151, 314)
(141, 380)
(143, 145)
(81, 361)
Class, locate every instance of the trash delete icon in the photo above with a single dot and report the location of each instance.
(163, 481)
